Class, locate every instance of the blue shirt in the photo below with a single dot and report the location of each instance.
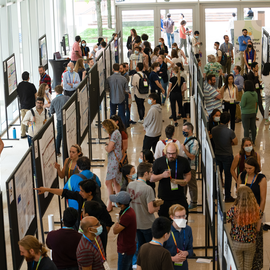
(243, 46)
(179, 237)
(161, 24)
(73, 78)
(73, 185)
(239, 82)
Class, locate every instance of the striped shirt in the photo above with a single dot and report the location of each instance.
(210, 93)
(193, 148)
(88, 255)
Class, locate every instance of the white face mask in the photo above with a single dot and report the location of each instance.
(158, 68)
(215, 47)
(181, 222)
(248, 148)
(47, 90)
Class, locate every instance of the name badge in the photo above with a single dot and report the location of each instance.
(85, 57)
(115, 49)
(178, 263)
(257, 86)
(249, 61)
(145, 83)
(174, 186)
(106, 265)
(228, 54)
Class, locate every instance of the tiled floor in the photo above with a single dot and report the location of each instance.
(11, 157)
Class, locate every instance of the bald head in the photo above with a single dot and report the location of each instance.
(71, 65)
(171, 151)
(87, 222)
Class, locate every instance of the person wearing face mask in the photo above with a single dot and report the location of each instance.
(93, 53)
(129, 175)
(135, 58)
(126, 228)
(243, 40)
(154, 56)
(90, 252)
(142, 202)
(43, 91)
(214, 120)
(162, 46)
(154, 80)
(152, 255)
(152, 123)
(196, 44)
(239, 82)
(256, 181)
(246, 151)
(71, 80)
(180, 53)
(163, 74)
(249, 56)
(180, 243)
(191, 149)
(85, 50)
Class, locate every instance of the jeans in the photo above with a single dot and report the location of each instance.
(232, 109)
(169, 36)
(124, 261)
(232, 36)
(29, 138)
(183, 42)
(164, 85)
(149, 142)
(267, 105)
(175, 97)
(121, 110)
(144, 236)
(249, 123)
(59, 136)
(224, 163)
(117, 59)
(127, 111)
(140, 107)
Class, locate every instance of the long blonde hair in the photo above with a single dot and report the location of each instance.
(31, 242)
(176, 70)
(79, 65)
(41, 90)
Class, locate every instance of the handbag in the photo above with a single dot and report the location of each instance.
(121, 163)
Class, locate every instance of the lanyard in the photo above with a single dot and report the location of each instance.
(142, 180)
(37, 263)
(59, 95)
(251, 182)
(124, 212)
(98, 249)
(154, 241)
(70, 169)
(175, 168)
(184, 243)
(73, 77)
(43, 78)
(230, 92)
(70, 228)
(168, 139)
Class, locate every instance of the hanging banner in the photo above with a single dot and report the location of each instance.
(254, 29)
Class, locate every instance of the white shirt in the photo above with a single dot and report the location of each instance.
(135, 84)
(196, 48)
(229, 96)
(266, 82)
(160, 147)
(40, 121)
(231, 22)
(99, 52)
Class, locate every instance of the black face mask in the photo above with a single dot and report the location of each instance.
(249, 46)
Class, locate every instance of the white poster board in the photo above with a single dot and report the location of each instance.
(203, 142)
(11, 73)
(199, 134)
(254, 30)
(108, 62)
(100, 67)
(24, 196)
(47, 157)
(195, 86)
(43, 51)
(113, 52)
(71, 125)
(83, 104)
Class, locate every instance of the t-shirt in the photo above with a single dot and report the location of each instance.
(192, 147)
(88, 254)
(76, 48)
(164, 188)
(141, 194)
(175, 86)
(135, 58)
(45, 264)
(26, 92)
(210, 94)
(126, 238)
(218, 54)
(160, 147)
(154, 257)
(223, 137)
(64, 243)
(152, 78)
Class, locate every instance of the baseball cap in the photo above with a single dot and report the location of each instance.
(122, 197)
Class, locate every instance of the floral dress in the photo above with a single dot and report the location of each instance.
(113, 165)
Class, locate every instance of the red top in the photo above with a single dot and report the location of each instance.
(46, 79)
(76, 48)
(183, 36)
(126, 239)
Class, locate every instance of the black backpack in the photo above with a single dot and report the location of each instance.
(143, 84)
(223, 61)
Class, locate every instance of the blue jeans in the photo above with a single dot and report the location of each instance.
(144, 236)
(121, 110)
(117, 59)
(127, 111)
(59, 136)
(225, 163)
(164, 85)
(169, 36)
(124, 261)
(29, 138)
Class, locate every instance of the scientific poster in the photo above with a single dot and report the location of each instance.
(195, 83)
(101, 75)
(113, 52)
(255, 32)
(108, 63)
(203, 142)
(265, 48)
(209, 179)
(119, 50)
(199, 119)
(71, 125)
(24, 196)
(47, 157)
(11, 73)
(43, 51)
(220, 234)
(83, 103)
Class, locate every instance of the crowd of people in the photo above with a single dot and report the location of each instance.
(156, 75)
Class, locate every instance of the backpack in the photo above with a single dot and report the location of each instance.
(98, 192)
(143, 84)
(33, 113)
(190, 139)
(224, 57)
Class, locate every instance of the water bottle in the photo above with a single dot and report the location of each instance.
(14, 133)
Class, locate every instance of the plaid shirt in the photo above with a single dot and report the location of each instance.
(46, 79)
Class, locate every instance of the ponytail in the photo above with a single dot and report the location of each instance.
(177, 71)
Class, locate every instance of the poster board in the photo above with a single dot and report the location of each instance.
(44, 159)
(195, 83)
(112, 52)
(101, 75)
(265, 47)
(43, 52)
(10, 79)
(21, 205)
(3, 255)
(108, 61)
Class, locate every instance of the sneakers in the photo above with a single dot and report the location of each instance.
(171, 117)
(179, 117)
(59, 154)
(176, 124)
(229, 199)
(23, 137)
(140, 121)
(267, 122)
(192, 206)
(131, 122)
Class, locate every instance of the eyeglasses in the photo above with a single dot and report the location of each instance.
(178, 217)
(41, 103)
(171, 154)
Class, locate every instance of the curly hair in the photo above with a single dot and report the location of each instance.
(247, 208)
(109, 125)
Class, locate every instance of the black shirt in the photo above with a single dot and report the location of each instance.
(175, 87)
(163, 72)
(45, 264)
(26, 92)
(164, 187)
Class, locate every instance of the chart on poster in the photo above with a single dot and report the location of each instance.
(83, 101)
(101, 75)
(11, 73)
(47, 157)
(24, 196)
(71, 125)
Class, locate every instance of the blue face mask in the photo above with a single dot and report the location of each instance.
(136, 52)
(68, 68)
(83, 44)
(149, 101)
(134, 176)
(185, 134)
(99, 230)
(160, 43)
(174, 48)
(196, 37)
(233, 72)
(140, 160)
